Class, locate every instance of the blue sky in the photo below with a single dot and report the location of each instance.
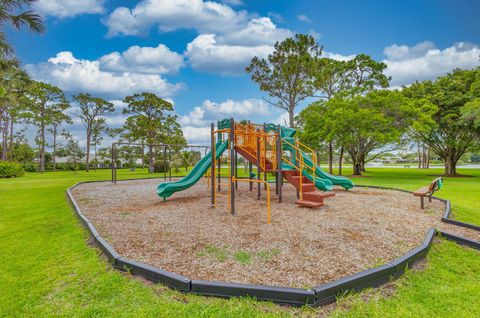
(194, 52)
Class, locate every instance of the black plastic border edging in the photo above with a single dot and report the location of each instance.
(320, 295)
(459, 240)
(446, 218)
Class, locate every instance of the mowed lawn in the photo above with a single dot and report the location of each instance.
(48, 268)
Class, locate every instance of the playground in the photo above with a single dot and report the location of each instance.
(302, 247)
(287, 223)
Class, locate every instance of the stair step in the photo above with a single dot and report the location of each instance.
(317, 196)
(308, 187)
(309, 204)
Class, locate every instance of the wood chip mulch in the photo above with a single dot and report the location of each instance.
(355, 230)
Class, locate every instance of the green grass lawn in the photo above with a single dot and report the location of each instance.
(48, 268)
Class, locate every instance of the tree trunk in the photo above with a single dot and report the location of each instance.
(42, 148)
(291, 115)
(150, 159)
(451, 165)
(54, 154)
(330, 157)
(357, 171)
(428, 158)
(4, 136)
(87, 158)
(340, 159)
(10, 146)
(95, 157)
(419, 156)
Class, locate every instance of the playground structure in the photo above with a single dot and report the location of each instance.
(272, 149)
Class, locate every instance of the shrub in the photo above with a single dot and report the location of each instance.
(11, 169)
(160, 166)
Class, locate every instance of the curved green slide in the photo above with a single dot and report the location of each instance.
(336, 180)
(166, 189)
(320, 183)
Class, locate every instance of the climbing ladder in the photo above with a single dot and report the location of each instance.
(221, 178)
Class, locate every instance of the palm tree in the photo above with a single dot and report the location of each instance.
(9, 15)
(187, 158)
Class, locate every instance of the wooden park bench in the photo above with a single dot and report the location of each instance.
(435, 185)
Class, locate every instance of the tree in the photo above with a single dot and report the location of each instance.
(55, 123)
(47, 103)
(10, 13)
(151, 120)
(98, 128)
(455, 130)
(91, 109)
(188, 158)
(14, 82)
(287, 75)
(73, 151)
(357, 76)
(362, 124)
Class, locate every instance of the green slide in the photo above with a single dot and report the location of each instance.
(320, 183)
(336, 180)
(166, 189)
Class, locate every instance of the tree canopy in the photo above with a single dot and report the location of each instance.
(287, 75)
(456, 128)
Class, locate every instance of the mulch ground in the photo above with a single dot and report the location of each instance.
(302, 247)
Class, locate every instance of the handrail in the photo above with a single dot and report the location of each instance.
(268, 192)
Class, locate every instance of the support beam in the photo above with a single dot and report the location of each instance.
(259, 186)
(212, 167)
(233, 166)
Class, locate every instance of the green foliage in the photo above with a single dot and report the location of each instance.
(287, 75)
(91, 110)
(13, 13)
(218, 253)
(362, 124)
(10, 169)
(161, 166)
(457, 126)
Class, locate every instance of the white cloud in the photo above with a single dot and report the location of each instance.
(147, 60)
(76, 75)
(169, 15)
(424, 61)
(233, 2)
(304, 18)
(68, 8)
(258, 31)
(210, 111)
(338, 57)
(205, 54)
(196, 124)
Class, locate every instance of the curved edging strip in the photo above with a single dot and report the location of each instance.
(320, 295)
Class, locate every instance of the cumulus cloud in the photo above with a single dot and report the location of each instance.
(78, 75)
(205, 54)
(70, 8)
(169, 15)
(258, 31)
(196, 123)
(304, 18)
(424, 61)
(147, 60)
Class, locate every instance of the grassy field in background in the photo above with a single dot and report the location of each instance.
(47, 267)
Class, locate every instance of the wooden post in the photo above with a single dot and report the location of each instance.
(114, 172)
(259, 186)
(165, 163)
(279, 165)
(250, 169)
(236, 169)
(212, 168)
(232, 166)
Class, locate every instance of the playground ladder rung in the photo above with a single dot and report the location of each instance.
(222, 195)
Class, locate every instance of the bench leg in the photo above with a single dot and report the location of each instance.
(422, 205)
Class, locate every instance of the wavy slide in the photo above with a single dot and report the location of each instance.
(166, 189)
(336, 180)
